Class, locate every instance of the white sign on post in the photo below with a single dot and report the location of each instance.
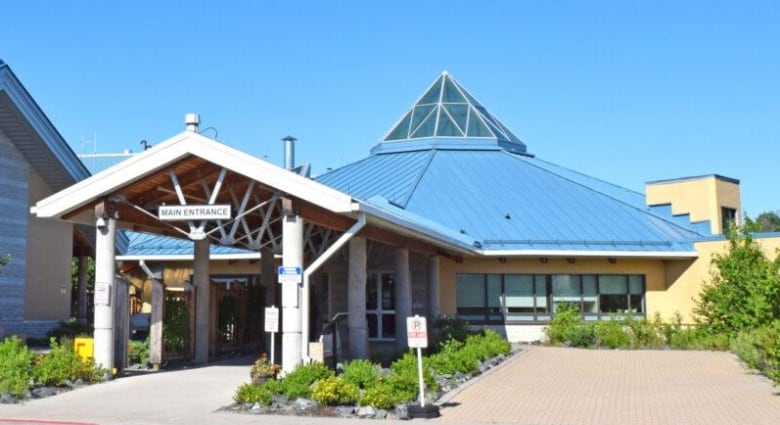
(417, 332)
(102, 293)
(417, 335)
(271, 319)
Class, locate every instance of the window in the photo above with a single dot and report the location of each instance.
(380, 306)
(526, 297)
(728, 216)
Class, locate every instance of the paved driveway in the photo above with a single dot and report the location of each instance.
(601, 387)
(540, 386)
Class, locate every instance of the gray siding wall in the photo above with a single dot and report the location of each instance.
(14, 189)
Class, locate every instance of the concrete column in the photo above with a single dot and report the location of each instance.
(403, 296)
(121, 323)
(292, 256)
(105, 269)
(82, 288)
(433, 287)
(156, 324)
(356, 299)
(202, 282)
(269, 281)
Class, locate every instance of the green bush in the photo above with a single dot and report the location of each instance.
(447, 328)
(404, 380)
(583, 335)
(645, 333)
(752, 347)
(383, 396)
(16, 367)
(455, 356)
(61, 364)
(610, 333)
(567, 317)
(251, 393)
(298, 382)
(334, 390)
(361, 372)
(489, 344)
(138, 352)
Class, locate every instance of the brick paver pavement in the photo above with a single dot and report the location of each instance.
(566, 386)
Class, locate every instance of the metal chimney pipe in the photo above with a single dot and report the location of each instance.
(289, 152)
(192, 120)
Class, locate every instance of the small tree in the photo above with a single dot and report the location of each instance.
(744, 292)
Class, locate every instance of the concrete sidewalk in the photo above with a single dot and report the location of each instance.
(540, 386)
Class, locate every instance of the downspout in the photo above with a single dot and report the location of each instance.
(352, 231)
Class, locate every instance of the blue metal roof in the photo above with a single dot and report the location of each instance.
(151, 245)
(505, 200)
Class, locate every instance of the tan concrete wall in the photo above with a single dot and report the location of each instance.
(701, 198)
(49, 254)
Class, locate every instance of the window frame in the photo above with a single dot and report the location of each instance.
(379, 311)
(488, 315)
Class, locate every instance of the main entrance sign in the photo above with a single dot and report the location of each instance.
(193, 212)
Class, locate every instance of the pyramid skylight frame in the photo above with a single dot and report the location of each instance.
(448, 111)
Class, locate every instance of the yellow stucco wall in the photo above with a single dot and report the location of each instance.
(702, 198)
(49, 243)
(672, 286)
(653, 270)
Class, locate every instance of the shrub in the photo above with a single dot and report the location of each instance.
(698, 339)
(583, 335)
(298, 382)
(567, 317)
(752, 346)
(447, 328)
(610, 333)
(645, 333)
(138, 351)
(61, 364)
(404, 380)
(361, 372)
(334, 390)
(383, 396)
(490, 343)
(16, 371)
(455, 356)
(251, 393)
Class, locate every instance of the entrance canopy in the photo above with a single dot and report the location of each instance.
(191, 169)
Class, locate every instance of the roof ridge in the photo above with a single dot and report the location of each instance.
(642, 210)
(419, 177)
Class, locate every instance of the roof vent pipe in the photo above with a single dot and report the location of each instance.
(192, 120)
(289, 152)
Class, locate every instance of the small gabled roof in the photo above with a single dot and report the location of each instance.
(448, 116)
(184, 147)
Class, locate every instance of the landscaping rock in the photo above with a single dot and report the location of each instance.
(305, 404)
(380, 414)
(366, 412)
(7, 398)
(42, 392)
(345, 411)
(402, 412)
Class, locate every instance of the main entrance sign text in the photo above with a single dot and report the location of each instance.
(193, 212)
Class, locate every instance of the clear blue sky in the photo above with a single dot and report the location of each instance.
(626, 91)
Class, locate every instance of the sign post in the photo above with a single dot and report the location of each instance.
(290, 276)
(417, 335)
(272, 326)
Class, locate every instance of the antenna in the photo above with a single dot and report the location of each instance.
(93, 142)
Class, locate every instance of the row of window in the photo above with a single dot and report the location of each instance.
(535, 297)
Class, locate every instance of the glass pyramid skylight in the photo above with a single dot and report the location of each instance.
(448, 111)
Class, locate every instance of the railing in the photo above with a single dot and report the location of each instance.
(335, 336)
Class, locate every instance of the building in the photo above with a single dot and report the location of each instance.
(35, 162)
(451, 213)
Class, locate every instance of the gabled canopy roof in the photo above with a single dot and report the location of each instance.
(448, 116)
